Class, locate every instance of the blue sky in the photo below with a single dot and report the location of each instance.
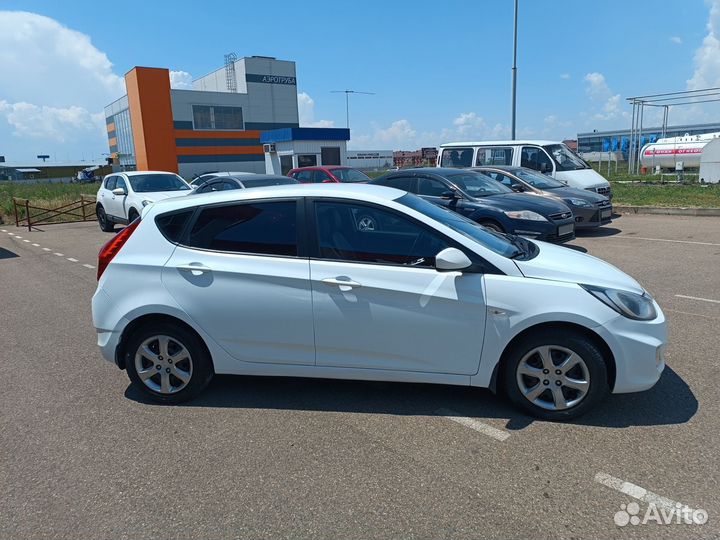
(440, 71)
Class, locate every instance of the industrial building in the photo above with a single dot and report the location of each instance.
(619, 140)
(215, 126)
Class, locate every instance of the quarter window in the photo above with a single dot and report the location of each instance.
(172, 225)
(494, 156)
(367, 234)
(456, 157)
(266, 228)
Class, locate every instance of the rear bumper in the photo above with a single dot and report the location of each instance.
(109, 331)
(639, 350)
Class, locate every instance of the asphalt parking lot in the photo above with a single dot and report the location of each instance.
(81, 455)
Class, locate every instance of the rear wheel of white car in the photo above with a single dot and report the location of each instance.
(105, 224)
(556, 375)
(167, 363)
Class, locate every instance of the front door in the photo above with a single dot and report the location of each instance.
(115, 204)
(240, 276)
(378, 301)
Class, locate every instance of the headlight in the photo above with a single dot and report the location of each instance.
(524, 214)
(146, 202)
(639, 307)
(579, 202)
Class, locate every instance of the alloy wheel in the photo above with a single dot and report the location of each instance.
(163, 364)
(552, 377)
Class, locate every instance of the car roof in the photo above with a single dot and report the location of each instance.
(508, 168)
(438, 171)
(540, 142)
(136, 173)
(248, 178)
(360, 192)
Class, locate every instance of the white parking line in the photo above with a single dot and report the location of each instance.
(47, 249)
(71, 259)
(3, 230)
(664, 240)
(637, 492)
(36, 245)
(28, 241)
(471, 423)
(697, 298)
(88, 266)
(59, 254)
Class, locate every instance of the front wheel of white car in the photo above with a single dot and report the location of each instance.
(556, 375)
(166, 363)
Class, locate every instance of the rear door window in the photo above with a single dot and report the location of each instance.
(303, 176)
(110, 182)
(456, 157)
(406, 183)
(321, 176)
(264, 228)
(494, 155)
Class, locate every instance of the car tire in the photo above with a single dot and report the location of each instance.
(555, 374)
(105, 224)
(492, 226)
(167, 363)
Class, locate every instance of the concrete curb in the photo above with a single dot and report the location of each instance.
(668, 211)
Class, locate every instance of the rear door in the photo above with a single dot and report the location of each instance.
(242, 274)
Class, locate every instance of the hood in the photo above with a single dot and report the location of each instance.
(525, 201)
(156, 196)
(569, 192)
(559, 263)
(583, 179)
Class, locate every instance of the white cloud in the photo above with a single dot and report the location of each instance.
(468, 123)
(55, 83)
(306, 113)
(53, 123)
(676, 39)
(565, 76)
(180, 80)
(707, 56)
(599, 91)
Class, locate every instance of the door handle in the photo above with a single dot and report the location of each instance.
(197, 269)
(344, 284)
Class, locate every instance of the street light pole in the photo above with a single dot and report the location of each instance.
(347, 102)
(514, 73)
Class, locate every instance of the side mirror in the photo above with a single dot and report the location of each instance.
(451, 259)
(518, 188)
(545, 168)
(449, 194)
(119, 191)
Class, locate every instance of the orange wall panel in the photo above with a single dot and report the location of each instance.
(111, 126)
(151, 118)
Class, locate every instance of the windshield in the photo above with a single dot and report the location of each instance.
(476, 184)
(496, 242)
(349, 175)
(537, 180)
(150, 183)
(564, 158)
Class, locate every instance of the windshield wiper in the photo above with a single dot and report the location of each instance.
(519, 244)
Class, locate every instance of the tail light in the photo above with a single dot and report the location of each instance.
(112, 248)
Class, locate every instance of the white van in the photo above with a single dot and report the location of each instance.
(549, 157)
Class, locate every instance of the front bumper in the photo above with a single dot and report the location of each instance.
(547, 231)
(639, 349)
(591, 218)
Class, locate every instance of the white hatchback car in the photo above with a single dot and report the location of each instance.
(123, 195)
(289, 281)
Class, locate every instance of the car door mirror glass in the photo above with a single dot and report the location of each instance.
(450, 259)
(449, 194)
(119, 191)
(517, 188)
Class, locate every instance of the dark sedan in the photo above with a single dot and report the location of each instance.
(223, 183)
(487, 202)
(591, 209)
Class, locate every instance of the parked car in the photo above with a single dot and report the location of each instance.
(329, 175)
(122, 196)
(286, 281)
(591, 210)
(199, 180)
(224, 183)
(549, 157)
(487, 202)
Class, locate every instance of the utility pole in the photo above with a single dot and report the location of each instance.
(347, 102)
(514, 74)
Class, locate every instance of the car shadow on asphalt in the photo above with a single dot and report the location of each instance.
(600, 232)
(669, 402)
